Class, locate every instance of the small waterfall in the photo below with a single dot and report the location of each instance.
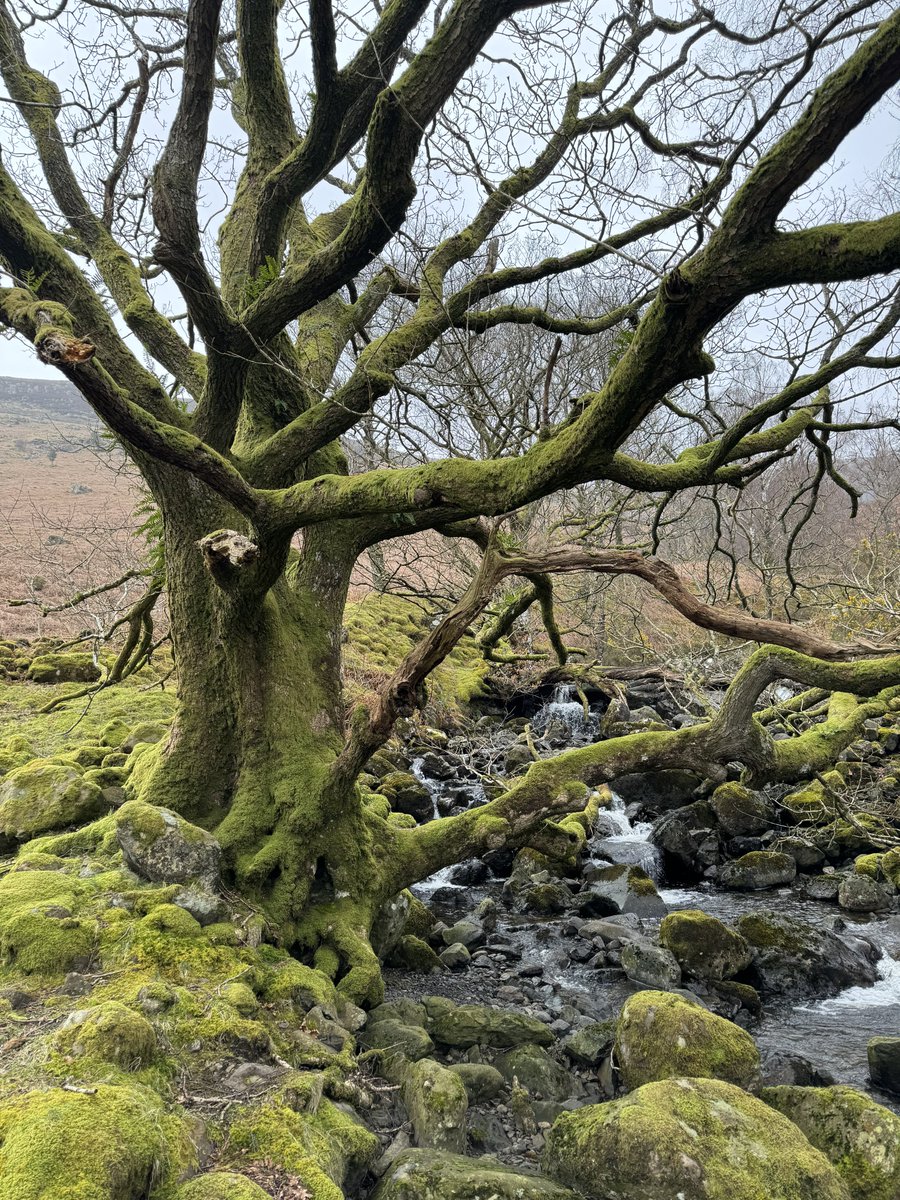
(434, 786)
(565, 707)
(629, 843)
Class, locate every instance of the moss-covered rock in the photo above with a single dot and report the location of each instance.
(413, 954)
(481, 1081)
(41, 796)
(436, 1101)
(740, 812)
(695, 1139)
(221, 1185)
(63, 667)
(407, 794)
(791, 958)
(704, 946)
(538, 1072)
(433, 1175)
(328, 1149)
(860, 893)
(759, 870)
(660, 1036)
(394, 1037)
(149, 732)
(111, 1144)
(858, 1136)
(479, 1025)
(592, 1043)
(39, 933)
(890, 866)
(161, 846)
(110, 1032)
(650, 965)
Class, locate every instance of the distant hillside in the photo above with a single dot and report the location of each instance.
(42, 400)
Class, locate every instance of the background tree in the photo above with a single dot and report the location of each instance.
(653, 163)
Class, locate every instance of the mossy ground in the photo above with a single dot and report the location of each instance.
(381, 629)
(119, 1011)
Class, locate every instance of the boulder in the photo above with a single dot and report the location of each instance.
(890, 866)
(884, 1063)
(759, 870)
(536, 1071)
(105, 1144)
(413, 954)
(455, 957)
(407, 794)
(161, 846)
(705, 947)
(658, 789)
(589, 1045)
(740, 812)
(661, 1036)
(469, 933)
(694, 1139)
(433, 1175)
(822, 887)
(481, 1081)
(150, 732)
(109, 1032)
(478, 1025)
(436, 1101)
(689, 839)
(805, 853)
(653, 966)
(41, 797)
(617, 889)
(436, 766)
(64, 667)
(394, 1037)
(389, 924)
(860, 893)
(859, 1137)
(796, 960)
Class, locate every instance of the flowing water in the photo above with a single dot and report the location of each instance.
(565, 707)
(832, 1033)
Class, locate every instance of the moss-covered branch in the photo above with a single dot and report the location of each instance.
(556, 786)
(39, 100)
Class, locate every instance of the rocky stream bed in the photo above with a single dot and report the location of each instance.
(702, 1004)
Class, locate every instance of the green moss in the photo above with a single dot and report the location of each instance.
(868, 864)
(50, 733)
(698, 1139)
(437, 1102)
(859, 1137)
(890, 866)
(108, 1145)
(321, 1148)
(221, 1185)
(383, 628)
(41, 796)
(703, 945)
(660, 1036)
(110, 1032)
(68, 667)
(240, 997)
(291, 980)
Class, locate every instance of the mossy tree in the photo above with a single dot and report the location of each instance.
(240, 443)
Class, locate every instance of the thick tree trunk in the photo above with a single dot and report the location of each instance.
(260, 721)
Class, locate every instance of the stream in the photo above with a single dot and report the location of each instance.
(831, 1034)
